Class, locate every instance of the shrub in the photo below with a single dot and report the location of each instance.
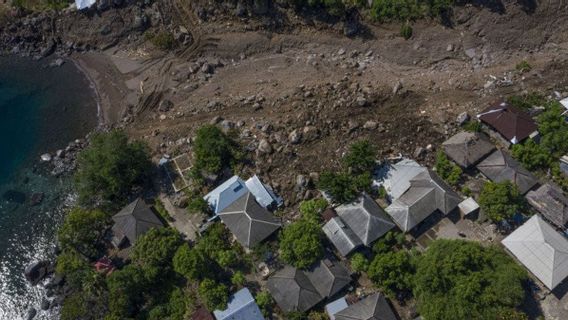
(359, 263)
(527, 101)
(460, 280)
(447, 170)
(214, 295)
(154, 251)
(472, 126)
(406, 31)
(401, 10)
(161, 210)
(301, 243)
(532, 155)
(110, 167)
(360, 157)
(500, 201)
(265, 302)
(163, 40)
(192, 263)
(344, 187)
(553, 129)
(523, 66)
(213, 150)
(312, 209)
(238, 279)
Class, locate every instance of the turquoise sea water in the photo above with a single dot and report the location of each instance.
(41, 110)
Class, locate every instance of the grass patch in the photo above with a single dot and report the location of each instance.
(161, 210)
(527, 101)
(406, 31)
(163, 39)
(523, 66)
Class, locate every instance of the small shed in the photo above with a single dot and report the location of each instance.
(469, 209)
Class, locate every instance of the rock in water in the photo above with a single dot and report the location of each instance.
(36, 271)
(44, 304)
(14, 196)
(31, 313)
(36, 198)
(46, 157)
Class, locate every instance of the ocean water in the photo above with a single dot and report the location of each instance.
(41, 110)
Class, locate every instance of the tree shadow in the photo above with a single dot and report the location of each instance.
(528, 6)
(530, 304)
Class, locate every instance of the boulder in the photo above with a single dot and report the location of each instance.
(264, 146)
(36, 198)
(46, 157)
(165, 105)
(32, 312)
(44, 304)
(370, 125)
(36, 271)
(295, 137)
(361, 101)
(462, 118)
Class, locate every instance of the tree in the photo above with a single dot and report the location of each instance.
(447, 170)
(192, 263)
(110, 167)
(126, 288)
(344, 187)
(214, 295)
(154, 251)
(500, 201)
(392, 271)
(360, 157)
(553, 129)
(359, 263)
(312, 209)
(74, 307)
(213, 150)
(532, 155)
(457, 279)
(83, 231)
(300, 243)
(227, 258)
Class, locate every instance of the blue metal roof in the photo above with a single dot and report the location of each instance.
(241, 307)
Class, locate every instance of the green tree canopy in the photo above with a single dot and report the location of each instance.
(126, 291)
(360, 157)
(457, 279)
(500, 201)
(213, 150)
(110, 167)
(214, 295)
(392, 271)
(265, 302)
(359, 263)
(447, 170)
(192, 263)
(301, 243)
(312, 209)
(532, 155)
(344, 187)
(154, 251)
(83, 231)
(553, 129)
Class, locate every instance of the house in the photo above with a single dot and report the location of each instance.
(226, 193)
(500, 166)
(373, 307)
(467, 148)
(264, 194)
(542, 250)
(249, 222)
(131, 222)
(427, 193)
(300, 290)
(84, 4)
(395, 178)
(510, 122)
(358, 223)
(469, 208)
(550, 201)
(334, 307)
(241, 306)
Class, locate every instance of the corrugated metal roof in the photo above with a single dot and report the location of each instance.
(292, 290)
(226, 193)
(248, 221)
(264, 195)
(342, 237)
(541, 249)
(374, 307)
(551, 203)
(367, 220)
(241, 306)
(334, 307)
(134, 220)
(395, 178)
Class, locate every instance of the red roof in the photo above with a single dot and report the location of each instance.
(511, 122)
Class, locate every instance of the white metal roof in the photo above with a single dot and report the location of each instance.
(396, 178)
(226, 193)
(541, 249)
(264, 195)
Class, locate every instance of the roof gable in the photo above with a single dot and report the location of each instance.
(248, 221)
(512, 123)
(263, 194)
(226, 193)
(292, 290)
(541, 249)
(467, 148)
(342, 237)
(374, 307)
(328, 277)
(134, 220)
(367, 220)
(500, 166)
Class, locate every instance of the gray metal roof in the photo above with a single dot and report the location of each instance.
(342, 237)
(550, 201)
(264, 195)
(292, 290)
(367, 220)
(134, 220)
(226, 193)
(248, 221)
(328, 277)
(334, 307)
(241, 306)
(540, 249)
(467, 148)
(395, 178)
(500, 166)
(428, 193)
(374, 307)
